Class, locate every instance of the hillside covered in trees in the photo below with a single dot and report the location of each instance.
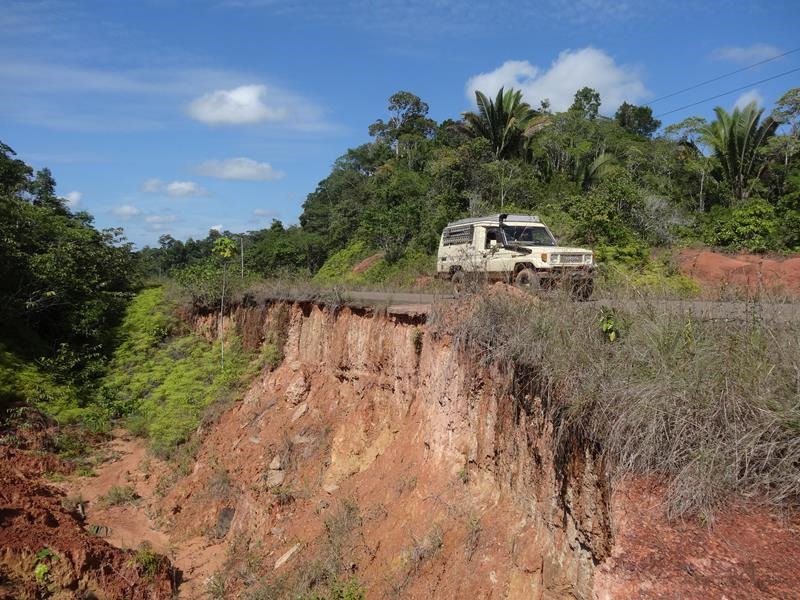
(64, 285)
(621, 184)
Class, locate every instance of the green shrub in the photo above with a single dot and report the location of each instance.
(162, 378)
(658, 277)
(348, 589)
(118, 495)
(340, 264)
(23, 381)
(146, 561)
(752, 226)
(402, 273)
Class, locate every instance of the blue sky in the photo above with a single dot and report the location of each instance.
(175, 116)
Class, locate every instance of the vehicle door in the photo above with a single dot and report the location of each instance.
(498, 259)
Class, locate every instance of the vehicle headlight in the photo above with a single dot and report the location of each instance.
(587, 258)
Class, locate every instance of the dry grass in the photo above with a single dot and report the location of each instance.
(713, 405)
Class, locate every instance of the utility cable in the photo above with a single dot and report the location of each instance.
(738, 89)
(702, 83)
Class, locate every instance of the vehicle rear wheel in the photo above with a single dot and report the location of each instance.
(582, 289)
(458, 280)
(528, 280)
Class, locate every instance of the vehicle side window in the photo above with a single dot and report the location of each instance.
(491, 236)
(455, 236)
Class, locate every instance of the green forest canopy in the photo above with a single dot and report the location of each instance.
(732, 183)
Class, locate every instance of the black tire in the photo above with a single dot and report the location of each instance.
(582, 289)
(458, 279)
(528, 280)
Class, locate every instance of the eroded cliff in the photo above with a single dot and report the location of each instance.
(380, 451)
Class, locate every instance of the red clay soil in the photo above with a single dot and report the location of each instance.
(386, 460)
(741, 274)
(368, 262)
(371, 455)
(745, 553)
(71, 563)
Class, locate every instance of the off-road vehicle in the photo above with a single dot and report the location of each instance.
(516, 249)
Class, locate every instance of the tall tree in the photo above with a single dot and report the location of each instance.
(586, 103)
(408, 126)
(786, 146)
(503, 121)
(14, 173)
(735, 139)
(689, 136)
(637, 119)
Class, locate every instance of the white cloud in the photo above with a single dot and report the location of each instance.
(747, 54)
(73, 199)
(244, 104)
(180, 189)
(152, 186)
(126, 211)
(159, 219)
(572, 70)
(239, 168)
(748, 97)
(143, 98)
(176, 189)
(216, 228)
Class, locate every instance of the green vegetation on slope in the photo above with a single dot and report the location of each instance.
(63, 287)
(162, 377)
(339, 268)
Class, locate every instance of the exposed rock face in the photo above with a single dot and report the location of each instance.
(452, 469)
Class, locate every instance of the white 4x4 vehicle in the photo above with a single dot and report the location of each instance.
(517, 249)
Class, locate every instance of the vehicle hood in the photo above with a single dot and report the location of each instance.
(563, 250)
(550, 249)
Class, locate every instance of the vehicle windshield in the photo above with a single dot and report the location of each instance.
(528, 235)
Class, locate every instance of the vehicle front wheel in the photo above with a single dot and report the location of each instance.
(582, 289)
(527, 279)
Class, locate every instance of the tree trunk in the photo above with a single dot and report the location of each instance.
(702, 183)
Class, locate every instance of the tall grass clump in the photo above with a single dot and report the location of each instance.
(163, 377)
(710, 404)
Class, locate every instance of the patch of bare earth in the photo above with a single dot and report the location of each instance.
(123, 524)
(742, 275)
(46, 551)
(367, 263)
(745, 553)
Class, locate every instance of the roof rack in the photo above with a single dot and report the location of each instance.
(494, 219)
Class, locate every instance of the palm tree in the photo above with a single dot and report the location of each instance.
(736, 138)
(503, 121)
(588, 172)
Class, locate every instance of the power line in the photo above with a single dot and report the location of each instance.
(738, 89)
(702, 83)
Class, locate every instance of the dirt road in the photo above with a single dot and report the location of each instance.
(407, 303)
